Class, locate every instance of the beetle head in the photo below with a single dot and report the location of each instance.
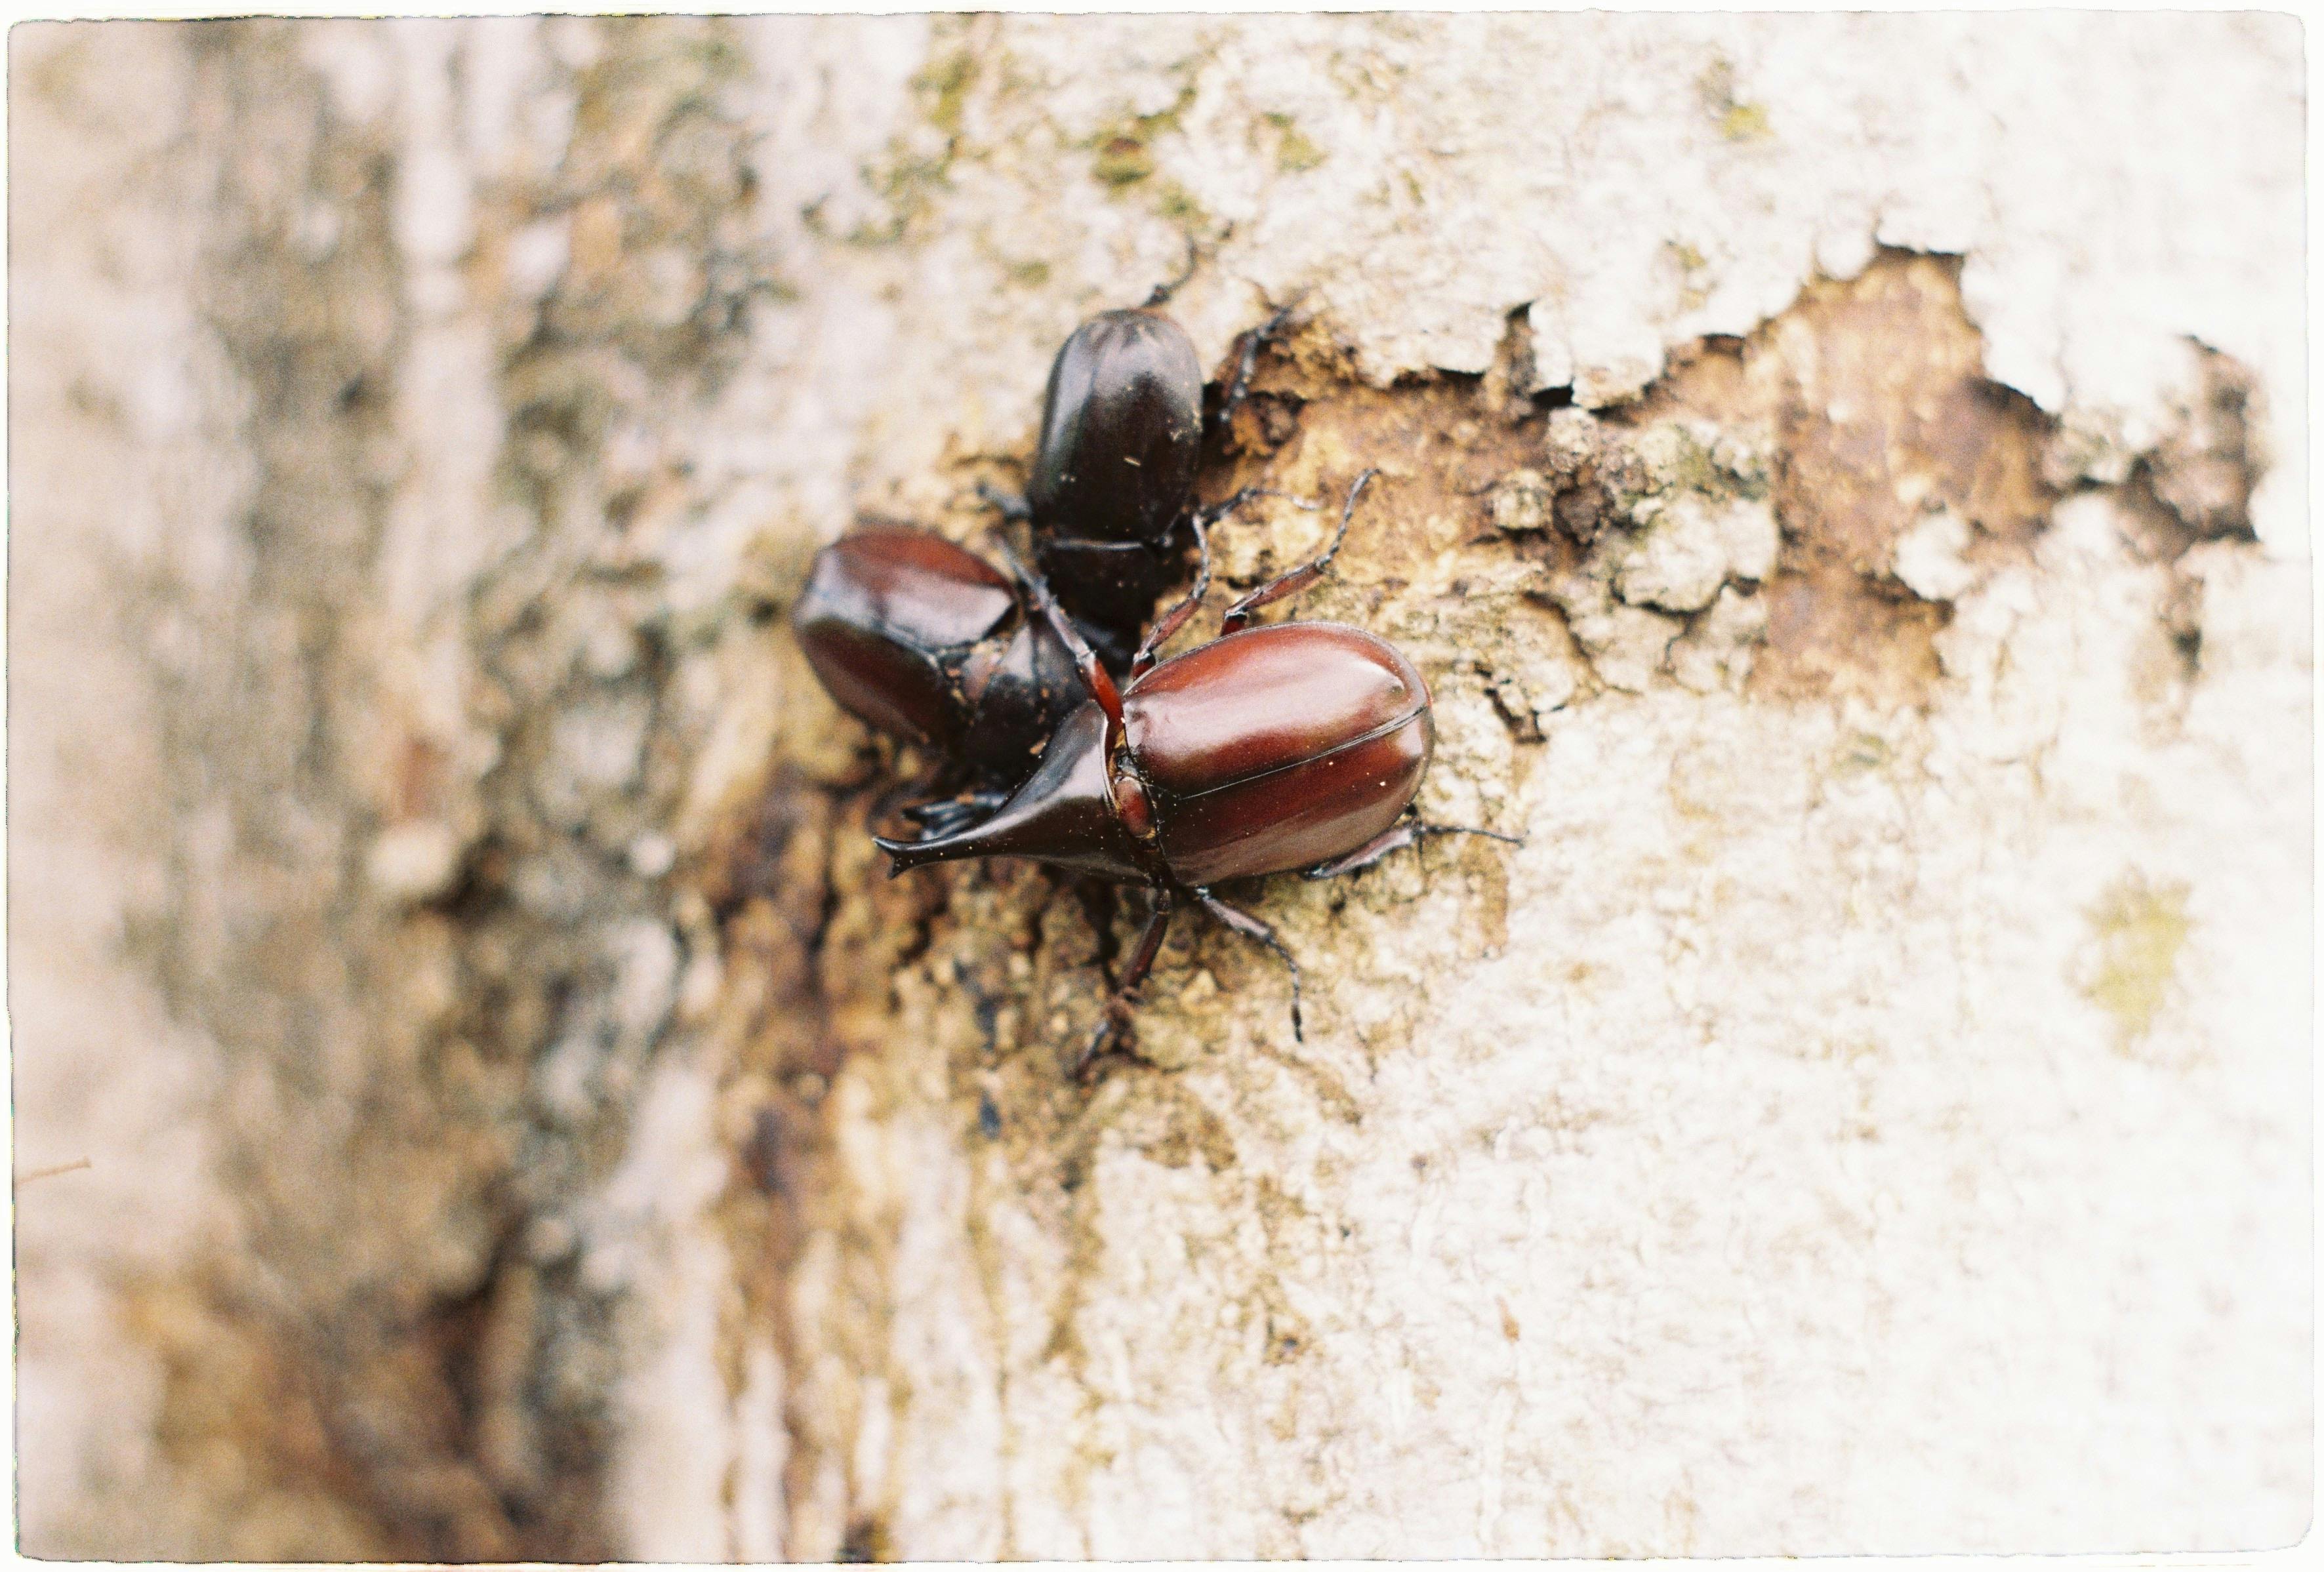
(1065, 814)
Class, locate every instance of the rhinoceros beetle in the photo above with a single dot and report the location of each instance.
(1299, 745)
(1113, 473)
(926, 641)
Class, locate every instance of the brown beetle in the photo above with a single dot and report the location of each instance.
(928, 642)
(1295, 745)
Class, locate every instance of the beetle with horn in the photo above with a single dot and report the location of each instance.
(1296, 745)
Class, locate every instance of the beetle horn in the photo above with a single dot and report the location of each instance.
(1063, 815)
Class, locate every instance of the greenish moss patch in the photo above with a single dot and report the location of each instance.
(1122, 160)
(1125, 149)
(1744, 123)
(1692, 293)
(2138, 930)
(1738, 120)
(906, 184)
(1175, 202)
(944, 85)
(1293, 151)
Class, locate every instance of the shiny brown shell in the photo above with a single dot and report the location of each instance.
(1278, 748)
(882, 609)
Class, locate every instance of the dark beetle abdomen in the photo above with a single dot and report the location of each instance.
(1122, 430)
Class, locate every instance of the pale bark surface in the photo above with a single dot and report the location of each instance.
(1842, 478)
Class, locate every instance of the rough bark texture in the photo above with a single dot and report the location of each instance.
(1841, 477)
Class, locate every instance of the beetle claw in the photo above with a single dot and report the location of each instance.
(1013, 509)
(1102, 1043)
(1282, 314)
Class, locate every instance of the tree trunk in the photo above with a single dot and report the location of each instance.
(1841, 477)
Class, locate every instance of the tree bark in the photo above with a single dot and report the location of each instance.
(1842, 480)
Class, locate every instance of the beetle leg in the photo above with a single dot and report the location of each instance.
(1098, 904)
(1250, 927)
(1125, 994)
(947, 815)
(1013, 509)
(1175, 618)
(1238, 615)
(1218, 511)
(1201, 520)
(1079, 544)
(1247, 362)
(1396, 837)
(938, 783)
(1503, 836)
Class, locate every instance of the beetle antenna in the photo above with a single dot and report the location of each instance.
(1238, 615)
(1093, 676)
(1247, 361)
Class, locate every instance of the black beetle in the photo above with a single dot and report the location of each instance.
(1295, 745)
(926, 641)
(1113, 473)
